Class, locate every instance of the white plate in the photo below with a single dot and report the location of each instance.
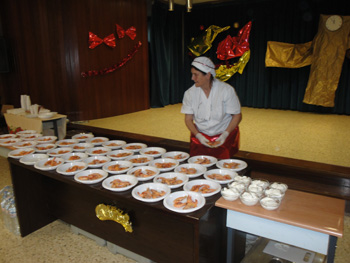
(24, 144)
(164, 161)
(143, 170)
(120, 154)
(97, 140)
(135, 147)
(202, 159)
(179, 156)
(41, 165)
(138, 160)
(114, 144)
(47, 115)
(200, 169)
(31, 159)
(74, 157)
(241, 164)
(179, 176)
(82, 147)
(82, 137)
(168, 202)
(45, 147)
(26, 132)
(59, 151)
(203, 183)
(63, 169)
(96, 161)
(30, 137)
(67, 143)
(222, 172)
(107, 183)
(122, 164)
(9, 142)
(153, 151)
(46, 139)
(19, 153)
(77, 177)
(152, 186)
(98, 151)
(7, 136)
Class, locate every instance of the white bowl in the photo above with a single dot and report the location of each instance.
(170, 200)
(67, 143)
(47, 164)
(279, 186)
(222, 176)
(31, 159)
(232, 164)
(164, 164)
(24, 144)
(82, 137)
(148, 187)
(26, 132)
(46, 139)
(120, 154)
(107, 183)
(9, 142)
(138, 160)
(192, 170)
(254, 188)
(45, 147)
(179, 156)
(230, 194)
(249, 198)
(59, 151)
(96, 161)
(120, 167)
(19, 153)
(71, 168)
(97, 140)
(7, 136)
(82, 147)
(202, 186)
(204, 160)
(274, 193)
(114, 144)
(240, 187)
(260, 182)
(135, 147)
(270, 203)
(143, 173)
(243, 179)
(74, 157)
(97, 151)
(153, 151)
(46, 115)
(173, 180)
(87, 176)
(30, 136)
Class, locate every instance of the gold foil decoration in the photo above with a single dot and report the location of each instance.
(224, 72)
(108, 212)
(202, 44)
(325, 54)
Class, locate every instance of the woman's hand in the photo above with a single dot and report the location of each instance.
(221, 139)
(203, 140)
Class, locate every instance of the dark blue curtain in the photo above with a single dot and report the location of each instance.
(286, 21)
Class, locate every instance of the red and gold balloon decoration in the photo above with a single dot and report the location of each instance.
(95, 41)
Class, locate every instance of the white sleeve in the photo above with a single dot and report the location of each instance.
(187, 104)
(232, 104)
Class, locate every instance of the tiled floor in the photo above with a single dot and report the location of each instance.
(321, 138)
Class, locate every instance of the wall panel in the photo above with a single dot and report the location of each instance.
(49, 50)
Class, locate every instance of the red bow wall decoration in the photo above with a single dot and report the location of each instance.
(94, 40)
(130, 32)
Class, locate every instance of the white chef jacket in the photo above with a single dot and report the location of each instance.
(211, 115)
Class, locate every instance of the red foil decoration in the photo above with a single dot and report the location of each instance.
(130, 32)
(115, 66)
(94, 40)
(225, 151)
(232, 47)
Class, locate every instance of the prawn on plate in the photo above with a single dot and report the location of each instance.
(117, 183)
(232, 165)
(203, 161)
(74, 168)
(185, 202)
(145, 173)
(151, 193)
(116, 167)
(164, 165)
(188, 170)
(202, 188)
(169, 181)
(93, 176)
(219, 177)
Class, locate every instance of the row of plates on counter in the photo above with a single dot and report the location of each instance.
(120, 166)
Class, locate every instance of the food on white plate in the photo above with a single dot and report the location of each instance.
(164, 165)
(117, 167)
(188, 170)
(117, 183)
(202, 188)
(151, 193)
(145, 173)
(219, 177)
(185, 202)
(93, 176)
(169, 181)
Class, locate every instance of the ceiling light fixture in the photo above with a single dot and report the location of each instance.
(171, 5)
(189, 5)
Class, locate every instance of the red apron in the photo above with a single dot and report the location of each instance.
(225, 151)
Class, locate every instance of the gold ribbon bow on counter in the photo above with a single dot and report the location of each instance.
(108, 212)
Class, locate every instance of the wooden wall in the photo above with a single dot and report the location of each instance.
(48, 49)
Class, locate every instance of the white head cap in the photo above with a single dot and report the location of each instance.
(204, 64)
